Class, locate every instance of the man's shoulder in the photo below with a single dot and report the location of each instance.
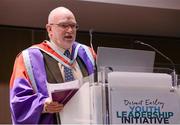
(38, 45)
(81, 45)
(90, 51)
(33, 50)
(34, 46)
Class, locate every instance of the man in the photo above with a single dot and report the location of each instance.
(48, 61)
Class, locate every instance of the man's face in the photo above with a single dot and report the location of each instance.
(63, 30)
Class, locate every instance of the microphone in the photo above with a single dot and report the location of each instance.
(91, 45)
(90, 34)
(174, 77)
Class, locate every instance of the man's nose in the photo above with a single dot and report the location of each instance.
(70, 29)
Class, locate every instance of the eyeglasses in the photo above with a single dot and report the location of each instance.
(66, 26)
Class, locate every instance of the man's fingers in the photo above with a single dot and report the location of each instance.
(52, 107)
(58, 106)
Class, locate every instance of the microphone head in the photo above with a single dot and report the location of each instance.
(137, 41)
(91, 31)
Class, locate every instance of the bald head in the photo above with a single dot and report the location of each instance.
(61, 27)
(58, 13)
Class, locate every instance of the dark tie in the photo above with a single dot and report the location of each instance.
(68, 75)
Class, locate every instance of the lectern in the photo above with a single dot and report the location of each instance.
(125, 97)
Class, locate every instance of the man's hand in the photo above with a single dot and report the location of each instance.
(52, 107)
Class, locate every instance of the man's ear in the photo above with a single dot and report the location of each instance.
(48, 28)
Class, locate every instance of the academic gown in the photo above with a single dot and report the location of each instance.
(26, 105)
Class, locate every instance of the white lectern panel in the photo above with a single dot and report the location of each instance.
(143, 98)
(139, 79)
(85, 107)
(77, 110)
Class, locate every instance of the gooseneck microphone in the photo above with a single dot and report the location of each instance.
(90, 34)
(91, 45)
(174, 78)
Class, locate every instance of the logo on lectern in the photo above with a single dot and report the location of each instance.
(147, 111)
